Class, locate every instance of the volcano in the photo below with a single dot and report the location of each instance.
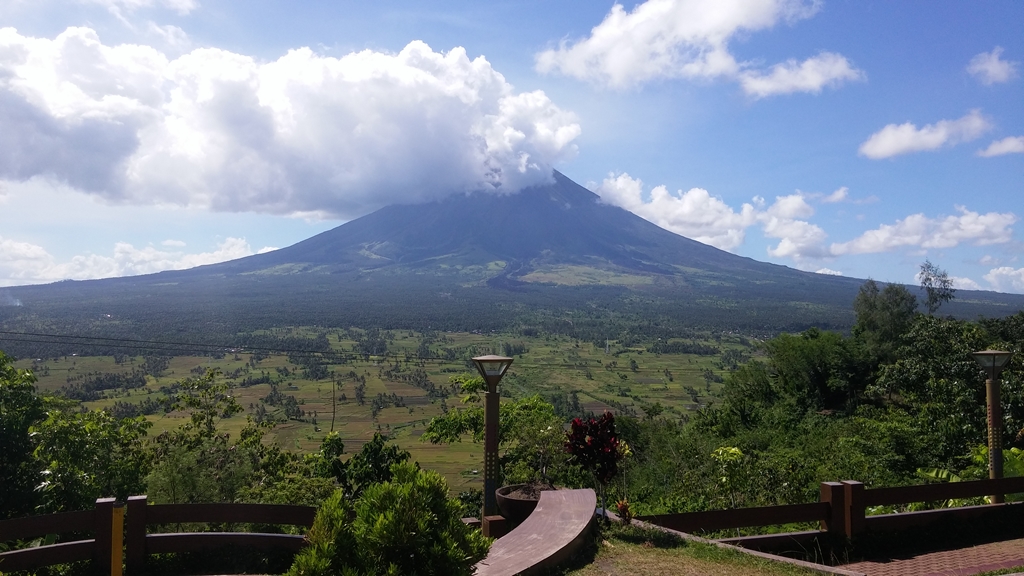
(551, 255)
(555, 234)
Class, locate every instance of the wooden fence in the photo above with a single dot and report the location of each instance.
(840, 511)
(105, 526)
(98, 522)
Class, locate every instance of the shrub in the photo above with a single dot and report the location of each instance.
(406, 526)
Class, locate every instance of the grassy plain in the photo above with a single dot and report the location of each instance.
(617, 378)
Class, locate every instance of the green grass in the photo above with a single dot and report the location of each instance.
(1016, 570)
(626, 550)
(551, 365)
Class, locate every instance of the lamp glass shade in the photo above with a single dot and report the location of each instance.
(992, 359)
(492, 366)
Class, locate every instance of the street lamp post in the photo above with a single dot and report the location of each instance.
(491, 368)
(993, 362)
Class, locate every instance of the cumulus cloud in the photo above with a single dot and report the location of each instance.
(785, 220)
(690, 39)
(695, 213)
(962, 283)
(828, 272)
(24, 263)
(1006, 279)
(698, 215)
(919, 231)
(896, 139)
(824, 70)
(989, 69)
(1010, 145)
(302, 134)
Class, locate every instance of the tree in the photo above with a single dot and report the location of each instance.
(817, 370)
(883, 316)
(937, 381)
(20, 409)
(195, 463)
(373, 464)
(937, 286)
(208, 402)
(524, 435)
(89, 455)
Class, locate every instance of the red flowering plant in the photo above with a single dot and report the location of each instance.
(594, 445)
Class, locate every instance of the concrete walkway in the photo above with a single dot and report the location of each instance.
(961, 562)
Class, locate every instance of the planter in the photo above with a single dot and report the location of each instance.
(516, 508)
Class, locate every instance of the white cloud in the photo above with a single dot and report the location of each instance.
(1006, 279)
(24, 263)
(301, 134)
(1010, 145)
(12, 251)
(695, 214)
(698, 215)
(896, 139)
(837, 196)
(798, 239)
(961, 283)
(919, 231)
(828, 272)
(811, 75)
(170, 35)
(790, 207)
(690, 39)
(115, 6)
(989, 69)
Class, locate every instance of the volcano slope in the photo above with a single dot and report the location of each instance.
(552, 256)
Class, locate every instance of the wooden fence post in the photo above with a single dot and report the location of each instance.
(117, 539)
(854, 495)
(102, 534)
(135, 557)
(835, 494)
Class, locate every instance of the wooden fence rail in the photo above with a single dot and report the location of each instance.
(139, 544)
(98, 522)
(841, 510)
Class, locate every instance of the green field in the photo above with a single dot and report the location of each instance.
(618, 378)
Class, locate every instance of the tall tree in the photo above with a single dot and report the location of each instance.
(883, 315)
(937, 286)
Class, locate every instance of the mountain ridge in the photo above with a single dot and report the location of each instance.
(471, 262)
(561, 223)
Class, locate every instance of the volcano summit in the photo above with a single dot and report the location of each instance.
(541, 256)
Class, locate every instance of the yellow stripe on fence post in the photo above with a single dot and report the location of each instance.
(117, 539)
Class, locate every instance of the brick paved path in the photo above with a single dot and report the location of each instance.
(962, 562)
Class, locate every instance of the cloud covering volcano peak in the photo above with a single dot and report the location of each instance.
(302, 134)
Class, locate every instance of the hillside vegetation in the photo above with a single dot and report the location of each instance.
(711, 421)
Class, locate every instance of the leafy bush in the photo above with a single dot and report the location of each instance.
(406, 526)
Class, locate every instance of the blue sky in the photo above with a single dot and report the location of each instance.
(854, 137)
